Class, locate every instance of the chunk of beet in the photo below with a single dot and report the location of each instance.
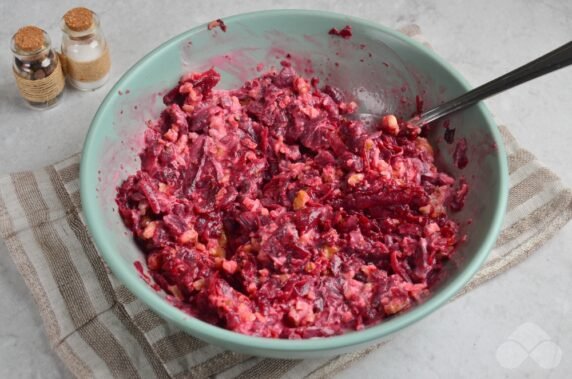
(204, 82)
(334, 93)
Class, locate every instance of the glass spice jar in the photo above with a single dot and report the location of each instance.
(37, 68)
(84, 50)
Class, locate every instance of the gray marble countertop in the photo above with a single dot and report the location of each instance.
(481, 39)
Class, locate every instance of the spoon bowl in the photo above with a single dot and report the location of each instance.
(554, 60)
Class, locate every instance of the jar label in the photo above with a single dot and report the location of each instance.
(88, 71)
(41, 90)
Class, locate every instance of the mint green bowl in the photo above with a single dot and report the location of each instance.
(378, 65)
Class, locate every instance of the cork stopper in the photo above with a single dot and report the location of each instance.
(78, 19)
(29, 38)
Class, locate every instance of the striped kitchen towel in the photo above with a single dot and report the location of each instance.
(99, 329)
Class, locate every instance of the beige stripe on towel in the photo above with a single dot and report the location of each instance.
(75, 294)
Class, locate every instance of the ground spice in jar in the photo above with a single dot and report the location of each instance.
(84, 49)
(36, 68)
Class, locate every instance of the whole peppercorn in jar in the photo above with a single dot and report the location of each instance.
(84, 50)
(37, 68)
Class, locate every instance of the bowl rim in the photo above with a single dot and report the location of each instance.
(130, 278)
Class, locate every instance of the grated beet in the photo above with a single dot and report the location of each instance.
(267, 211)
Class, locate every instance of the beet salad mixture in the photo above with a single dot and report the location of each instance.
(268, 211)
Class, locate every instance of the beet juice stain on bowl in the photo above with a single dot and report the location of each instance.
(268, 211)
(345, 32)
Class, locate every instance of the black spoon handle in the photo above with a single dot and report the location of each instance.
(554, 60)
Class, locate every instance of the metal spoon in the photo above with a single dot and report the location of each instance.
(554, 60)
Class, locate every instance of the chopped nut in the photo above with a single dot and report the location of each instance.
(431, 228)
(198, 284)
(389, 124)
(217, 23)
(368, 145)
(245, 314)
(423, 144)
(188, 108)
(300, 200)
(219, 251)
(220, 151)
(188, 236)
(251, 288)
(153, 261)
(222, 240)
(264, 272)
(330, 251)
(355, 179)
(229, 266)
(301, 85)
(426, 209)
(247, 248)
(311, 112)
(395, 305)
(351, 107)
(149, 230)
(310, 266)
(163, 187)
(368, 269)
(174, 289)
(171, 135)
(218, 262)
